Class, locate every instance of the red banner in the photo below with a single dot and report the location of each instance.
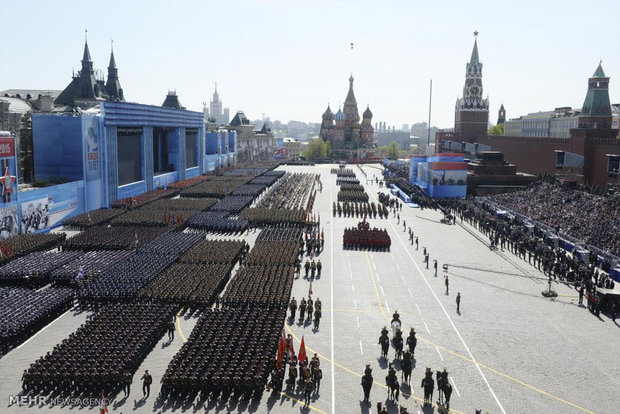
(7, 147)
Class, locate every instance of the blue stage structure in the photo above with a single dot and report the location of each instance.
(441, 175)
(117, 150)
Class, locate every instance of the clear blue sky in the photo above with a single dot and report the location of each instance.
(288, 59)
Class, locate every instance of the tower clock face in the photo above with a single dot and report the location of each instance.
(474, 90)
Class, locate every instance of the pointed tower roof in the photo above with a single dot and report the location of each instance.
(216, 96)
(367, 113)
(86, 57)
(502, 107)
(113, 85)
(474, 53)
(112, 64)
(597, 102)
(350, 95)
(599, 73)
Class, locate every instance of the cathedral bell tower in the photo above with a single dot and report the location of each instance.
(471, 116)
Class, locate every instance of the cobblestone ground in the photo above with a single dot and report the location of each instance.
(508, 350)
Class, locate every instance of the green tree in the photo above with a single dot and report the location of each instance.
(391, 151)
(497, 130)
(316, 148)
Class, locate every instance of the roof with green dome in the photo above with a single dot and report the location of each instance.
(328, 115)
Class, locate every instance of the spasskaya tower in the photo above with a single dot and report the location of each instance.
(471, 117)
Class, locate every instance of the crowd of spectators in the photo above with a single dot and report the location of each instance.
(590, 218)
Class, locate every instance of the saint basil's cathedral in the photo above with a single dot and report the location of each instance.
(348, 138)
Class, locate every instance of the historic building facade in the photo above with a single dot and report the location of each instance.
(348, 137)
(253, 146)
(88, 89)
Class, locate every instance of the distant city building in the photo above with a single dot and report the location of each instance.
(556, 124)
(386, 135)
(405, 127)
(419, 133)
(216, 111)
(252, 145)
(472, 110)
(87, 87)
(293, 146)
(349, 138)
(615, 117)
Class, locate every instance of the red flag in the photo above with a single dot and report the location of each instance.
(281, 349)
(302, 351)
(291, 350)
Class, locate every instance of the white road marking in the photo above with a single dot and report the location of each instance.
(499, 404)
(353, 288)
(419, 311)
(374, 265)
(427, 330)
(410, 294)
(455, 389)
(361, 349)
(355, 303)
(331, 294)
(358, 321)
(387, 307)
(402, 277)
(382, 292)
(439, 354)
(378, 278)
(46, 326)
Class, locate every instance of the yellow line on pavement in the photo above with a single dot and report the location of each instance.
(296, 400)
(463, 357)
(179, 326)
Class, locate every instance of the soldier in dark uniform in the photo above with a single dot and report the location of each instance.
(292, 376)
(319, 266)
(302, 308)
(127, 383)
(317, 375)
(293, 308)
(147, 380)
(171, 330)
(308, 388)
(412, 341)
(367, 383)
(307, 268)
(312, 269)
(309, 309)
